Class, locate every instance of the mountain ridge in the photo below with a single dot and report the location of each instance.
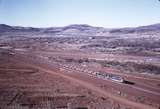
(81, 29)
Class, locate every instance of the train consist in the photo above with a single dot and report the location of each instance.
(108, 76)
(98, 74)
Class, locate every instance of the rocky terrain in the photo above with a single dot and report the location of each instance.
(78, 66)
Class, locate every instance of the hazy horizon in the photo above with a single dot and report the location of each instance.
(80, 24)
(100, 13)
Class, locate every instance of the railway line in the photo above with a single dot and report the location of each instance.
(105, 76)
(98, 74)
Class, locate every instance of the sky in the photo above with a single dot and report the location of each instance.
(102, 13)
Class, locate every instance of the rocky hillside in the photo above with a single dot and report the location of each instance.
(78, 30)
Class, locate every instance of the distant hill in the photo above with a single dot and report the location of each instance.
(141, 29)
(4, 27)
(79, 29)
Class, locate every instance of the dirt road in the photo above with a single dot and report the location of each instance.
(96, 89)
(92, 87)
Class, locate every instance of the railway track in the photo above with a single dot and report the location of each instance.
(106, 77)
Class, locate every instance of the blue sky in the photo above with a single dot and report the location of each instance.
(106, 13)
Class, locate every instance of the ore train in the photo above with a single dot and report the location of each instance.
(108, 76)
